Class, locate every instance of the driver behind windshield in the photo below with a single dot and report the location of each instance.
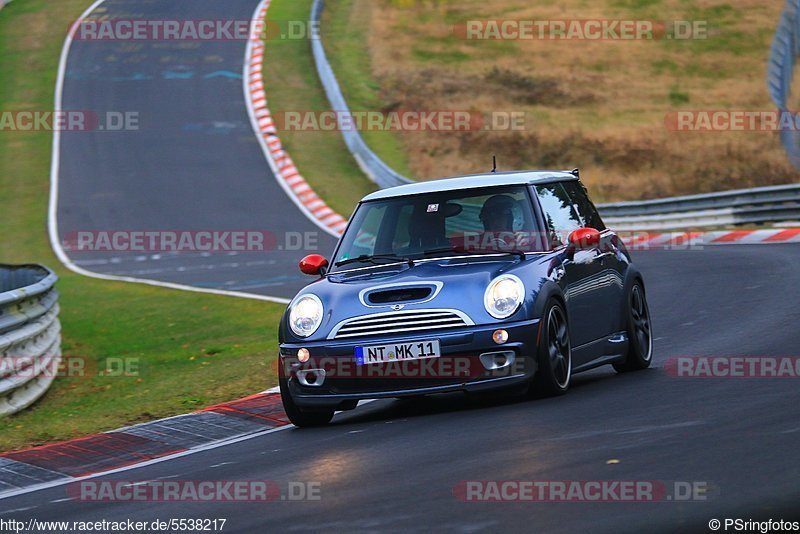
(497, 214)
(436, 224)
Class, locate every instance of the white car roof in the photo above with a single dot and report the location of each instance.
(474, 181)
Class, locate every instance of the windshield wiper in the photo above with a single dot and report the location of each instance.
(459, 250)
(376, 259)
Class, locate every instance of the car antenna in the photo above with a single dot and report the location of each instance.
(494, 163)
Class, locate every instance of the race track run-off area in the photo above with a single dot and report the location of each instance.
(196, 164)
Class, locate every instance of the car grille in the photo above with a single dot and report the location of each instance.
(401, 321)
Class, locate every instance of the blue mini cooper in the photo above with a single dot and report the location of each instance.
(500, 280)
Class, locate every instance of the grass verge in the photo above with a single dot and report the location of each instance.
(292, 85)
(346, 31)
(191, 349)
(601, 105)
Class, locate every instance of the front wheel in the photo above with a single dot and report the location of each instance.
(554, 353)
(640, 333)
(300, 417)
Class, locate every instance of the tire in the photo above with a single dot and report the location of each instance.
(640, 332)
(299, 417)
(554, 353)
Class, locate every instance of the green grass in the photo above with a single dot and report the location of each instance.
(192, 349)
(189, 351)
(292, 84)
(451, 56)
(607, 111)
(678, 97)
(636, 4)
(345, 31)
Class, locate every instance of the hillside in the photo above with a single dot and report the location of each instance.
(597, 104)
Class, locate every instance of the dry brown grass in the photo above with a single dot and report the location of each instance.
(597, 105)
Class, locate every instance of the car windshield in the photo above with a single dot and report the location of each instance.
(447, 223)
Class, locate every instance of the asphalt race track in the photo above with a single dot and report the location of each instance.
(194, 164)
(392, 465)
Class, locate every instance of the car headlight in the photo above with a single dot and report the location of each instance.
(503, 296)
(305, 315)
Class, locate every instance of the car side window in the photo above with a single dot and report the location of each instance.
(559, 214)
(586, 209)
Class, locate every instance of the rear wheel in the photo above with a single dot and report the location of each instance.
(554, 353)
(301, 417)
(640, 333)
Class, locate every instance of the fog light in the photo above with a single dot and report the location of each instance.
(500, 336)
(311, 377)
(303, 355)
(498, 360)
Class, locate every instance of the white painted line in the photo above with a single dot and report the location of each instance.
(252, 72)
(200, 448)
(6, 512)
(188, 452)
(52, 220)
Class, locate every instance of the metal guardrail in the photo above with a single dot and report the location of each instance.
(373, 166)
(30, 335)
(782, 57)
(728, 208)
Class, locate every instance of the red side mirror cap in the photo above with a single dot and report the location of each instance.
(313, 264)
(584, 238)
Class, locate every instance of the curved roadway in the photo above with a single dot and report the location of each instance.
(193, 164)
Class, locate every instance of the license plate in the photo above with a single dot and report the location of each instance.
(397, 352)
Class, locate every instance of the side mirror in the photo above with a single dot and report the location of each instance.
(314, 264)
(583, 238)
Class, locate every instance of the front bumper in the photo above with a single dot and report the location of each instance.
(459, 367)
